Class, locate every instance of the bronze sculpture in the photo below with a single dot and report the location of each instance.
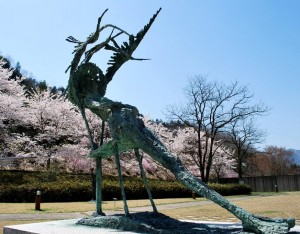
(86, 89)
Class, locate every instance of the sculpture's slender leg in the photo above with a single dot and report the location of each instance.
(121, 182)
(139, 158)
(99, 176)
(98, 166)
(99, 187)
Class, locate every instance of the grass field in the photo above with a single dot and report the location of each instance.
(272, 205)
(57, 207)
(277, 205)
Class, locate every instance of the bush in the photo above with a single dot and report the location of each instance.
(22, 186)
(19, 186)
(231, 189)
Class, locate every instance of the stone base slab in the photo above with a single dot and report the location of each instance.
(69, 226)
(59, 226)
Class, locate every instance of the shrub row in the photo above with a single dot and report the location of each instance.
(65, 188)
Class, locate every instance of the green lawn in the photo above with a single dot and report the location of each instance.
(60, 207)
(271, 205)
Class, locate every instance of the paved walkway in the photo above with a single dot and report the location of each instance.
(57, 216)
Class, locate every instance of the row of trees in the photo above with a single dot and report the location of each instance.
(215, 133)
(44, 130)
(36, 125)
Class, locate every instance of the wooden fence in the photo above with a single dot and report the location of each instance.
(273, 183)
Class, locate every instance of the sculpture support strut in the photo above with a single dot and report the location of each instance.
(99, 187)
(99, 176)
(143, 174)
(121, 181)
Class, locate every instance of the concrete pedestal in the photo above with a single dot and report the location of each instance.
(69, 226)
(53, 227)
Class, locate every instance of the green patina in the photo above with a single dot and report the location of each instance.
(86, 89)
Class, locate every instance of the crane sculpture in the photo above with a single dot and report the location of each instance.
(87, 88)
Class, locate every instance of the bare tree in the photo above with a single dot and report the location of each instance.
(273, 161)
(210, 108)
(279, 160)
(242, 136)
(257, 165)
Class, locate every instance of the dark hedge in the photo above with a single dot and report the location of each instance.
(18, 186)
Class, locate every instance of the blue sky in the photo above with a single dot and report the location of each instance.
(254, 42)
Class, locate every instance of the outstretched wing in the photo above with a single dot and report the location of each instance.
(124, 53)
(80, 47)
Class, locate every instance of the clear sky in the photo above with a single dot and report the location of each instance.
(254, 42)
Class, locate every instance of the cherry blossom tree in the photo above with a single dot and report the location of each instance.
(35, 126)
(12, 101)
(75, 158)
(222, 163)
(182, 141)
(12, 110)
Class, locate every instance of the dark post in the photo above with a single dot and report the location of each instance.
(38, 200)
(276, 185)
(276, 188)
